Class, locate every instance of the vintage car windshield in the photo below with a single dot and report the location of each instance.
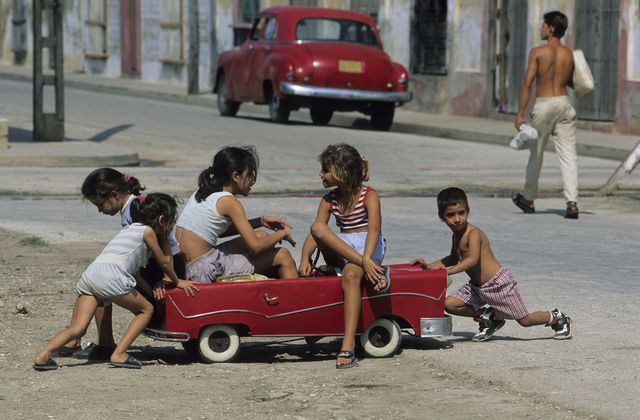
(323, 29)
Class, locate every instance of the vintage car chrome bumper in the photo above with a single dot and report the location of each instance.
(435, 327)
(345, 94)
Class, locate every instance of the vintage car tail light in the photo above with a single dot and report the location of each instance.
(290, 77)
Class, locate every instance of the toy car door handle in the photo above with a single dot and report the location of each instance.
(270, 300)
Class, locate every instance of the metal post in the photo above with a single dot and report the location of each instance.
(47, 126)
(194, 48)
(624, 169)
(19, 37)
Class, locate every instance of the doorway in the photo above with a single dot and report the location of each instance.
(130, 38)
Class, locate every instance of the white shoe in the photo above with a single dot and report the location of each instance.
(526, 137)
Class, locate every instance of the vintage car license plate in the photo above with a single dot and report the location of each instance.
(350, 66)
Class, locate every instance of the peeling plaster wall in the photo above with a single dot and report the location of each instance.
(628, 93)
(5, 31)
(394, 23)
(467, 78)
(224, 18)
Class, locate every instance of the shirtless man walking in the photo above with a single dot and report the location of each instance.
(551, 66)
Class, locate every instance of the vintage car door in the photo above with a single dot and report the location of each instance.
(262, 47)
(241, 63)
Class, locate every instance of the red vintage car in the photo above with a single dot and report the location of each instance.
(210, 324)
(308, 57)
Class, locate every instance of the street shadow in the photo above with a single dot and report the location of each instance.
(467, 336)
(20, 135)
(106, 134)
(557, 212)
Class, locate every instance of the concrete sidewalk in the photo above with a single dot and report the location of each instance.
(484, 130)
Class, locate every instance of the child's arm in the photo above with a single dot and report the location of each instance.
(166, 262)
(269, 222)
(472, 256)
(445, 262)
(322, 216)
(230, 207)
(371, 270)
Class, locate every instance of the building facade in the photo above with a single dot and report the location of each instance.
(466, 57)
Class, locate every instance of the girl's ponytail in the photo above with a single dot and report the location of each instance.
(365, 169)
(133, 184)
(208, 184)
(228, 160)
(103, 181)
(148, 209)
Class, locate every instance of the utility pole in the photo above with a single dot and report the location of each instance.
(194, 48)
(48, 126)
(19, 37)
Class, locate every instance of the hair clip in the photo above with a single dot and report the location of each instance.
(141, 198)
(126, 175)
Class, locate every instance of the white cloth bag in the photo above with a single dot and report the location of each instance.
(582, 77)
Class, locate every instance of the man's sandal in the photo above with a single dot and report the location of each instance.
(519, 201)
(345, 354)
(572, 210)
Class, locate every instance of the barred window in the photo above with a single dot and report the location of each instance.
(429, 37)
(172, 36)
(368, 7)
(97, 23)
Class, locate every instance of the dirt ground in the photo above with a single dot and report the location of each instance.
(281, 378)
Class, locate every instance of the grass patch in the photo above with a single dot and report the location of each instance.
(33, 241)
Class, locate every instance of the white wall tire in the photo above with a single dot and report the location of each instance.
(218, 343)
(382, 338)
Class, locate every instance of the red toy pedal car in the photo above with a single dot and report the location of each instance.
(211, 323)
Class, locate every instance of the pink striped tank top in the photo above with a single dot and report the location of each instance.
(357, 218)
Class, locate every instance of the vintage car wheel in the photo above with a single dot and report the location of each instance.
(321, 116)
(218, 343)
(226, 106)
(382, 338)
(279, 109)
(382, 116)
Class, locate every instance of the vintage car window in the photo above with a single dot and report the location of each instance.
(319, 29)
(270, 30)
(257, 31)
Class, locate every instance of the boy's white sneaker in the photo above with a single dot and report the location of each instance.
(561, 324)
(488, 325)
(525, 138)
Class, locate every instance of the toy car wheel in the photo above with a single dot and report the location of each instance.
(279, 109)
(382, 338)
(226, 106)
(218, 343)
(382, 116)
(321, 116)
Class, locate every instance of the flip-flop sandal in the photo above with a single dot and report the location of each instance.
(518, 200)
(48, 365)
(129, 363)
(344, 354)
(67, 351)
(386, 273)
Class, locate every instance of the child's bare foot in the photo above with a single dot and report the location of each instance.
(384, 281)
(42, 358)
(43, 362)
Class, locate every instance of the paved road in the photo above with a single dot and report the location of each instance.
(178, 141)
(578, 266)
